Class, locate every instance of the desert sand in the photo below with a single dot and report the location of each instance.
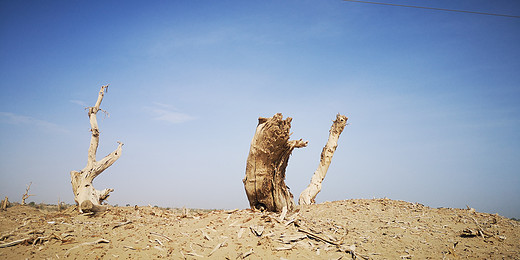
(349, 229)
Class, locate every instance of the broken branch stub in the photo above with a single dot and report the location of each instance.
(86, 196)
(265, 168)
(308, 195)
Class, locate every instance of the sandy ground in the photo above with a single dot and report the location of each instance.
(350, 229)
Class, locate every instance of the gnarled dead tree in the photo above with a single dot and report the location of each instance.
(265, 169)
(309, 194)
(26, 195)
(87, 198)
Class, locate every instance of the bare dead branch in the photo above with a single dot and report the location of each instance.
(308, 195)
(25, 195)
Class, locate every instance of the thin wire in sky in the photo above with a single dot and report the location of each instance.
(434, 8)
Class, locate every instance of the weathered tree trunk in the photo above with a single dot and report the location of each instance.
(265, 169)
(87, 198)
(5, 203)
(26, 195)
(309, 194)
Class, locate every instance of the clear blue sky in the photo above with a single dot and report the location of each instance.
(433, 98)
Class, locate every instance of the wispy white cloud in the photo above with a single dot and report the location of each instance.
(165, 112)
(78, 102)
(15, 119)
(164, 106)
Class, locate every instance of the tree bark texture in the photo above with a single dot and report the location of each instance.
(86, 196)
(265, 169)
(308, 195)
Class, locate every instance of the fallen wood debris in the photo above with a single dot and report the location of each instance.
(481, 231)
(205, 235)
(217, 247)
(12, 233)
(159, 248)
(282, 216)
(14, 243)
(6, 236)
(286, 239)
(240, 232)
(468, 233)
(29, 240)
(257, 230)
(43, 239)
(292, 219)
(101, 240)
(234, 223)
(159, 241)
(161, 235)
(352, 251)
(316, 236)
(343, 248)
(194, 254)
(122, 224)
(245, 254)
(311, 232)
(287, 247)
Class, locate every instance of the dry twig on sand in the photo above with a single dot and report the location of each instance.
(217, 247)
(481, 231)
(316, 236)
(245, 254)
(101, 240)
(6, 236)
(14, 243)
(194, 254)
(205, 235)
(32, 239)
(161, 235)
(257, 230)
(349, 250)
(122, 224)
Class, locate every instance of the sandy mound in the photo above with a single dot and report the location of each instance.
(366, 229)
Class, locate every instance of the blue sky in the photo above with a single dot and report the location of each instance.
(432, 98)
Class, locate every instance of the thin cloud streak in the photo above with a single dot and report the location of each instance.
(164, 112)
(15, 119)
(79, 102)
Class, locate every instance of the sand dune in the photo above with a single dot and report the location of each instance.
(349, 229)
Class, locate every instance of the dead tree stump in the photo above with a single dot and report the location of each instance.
(265, 169)
(86, 196)
(5, 204)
